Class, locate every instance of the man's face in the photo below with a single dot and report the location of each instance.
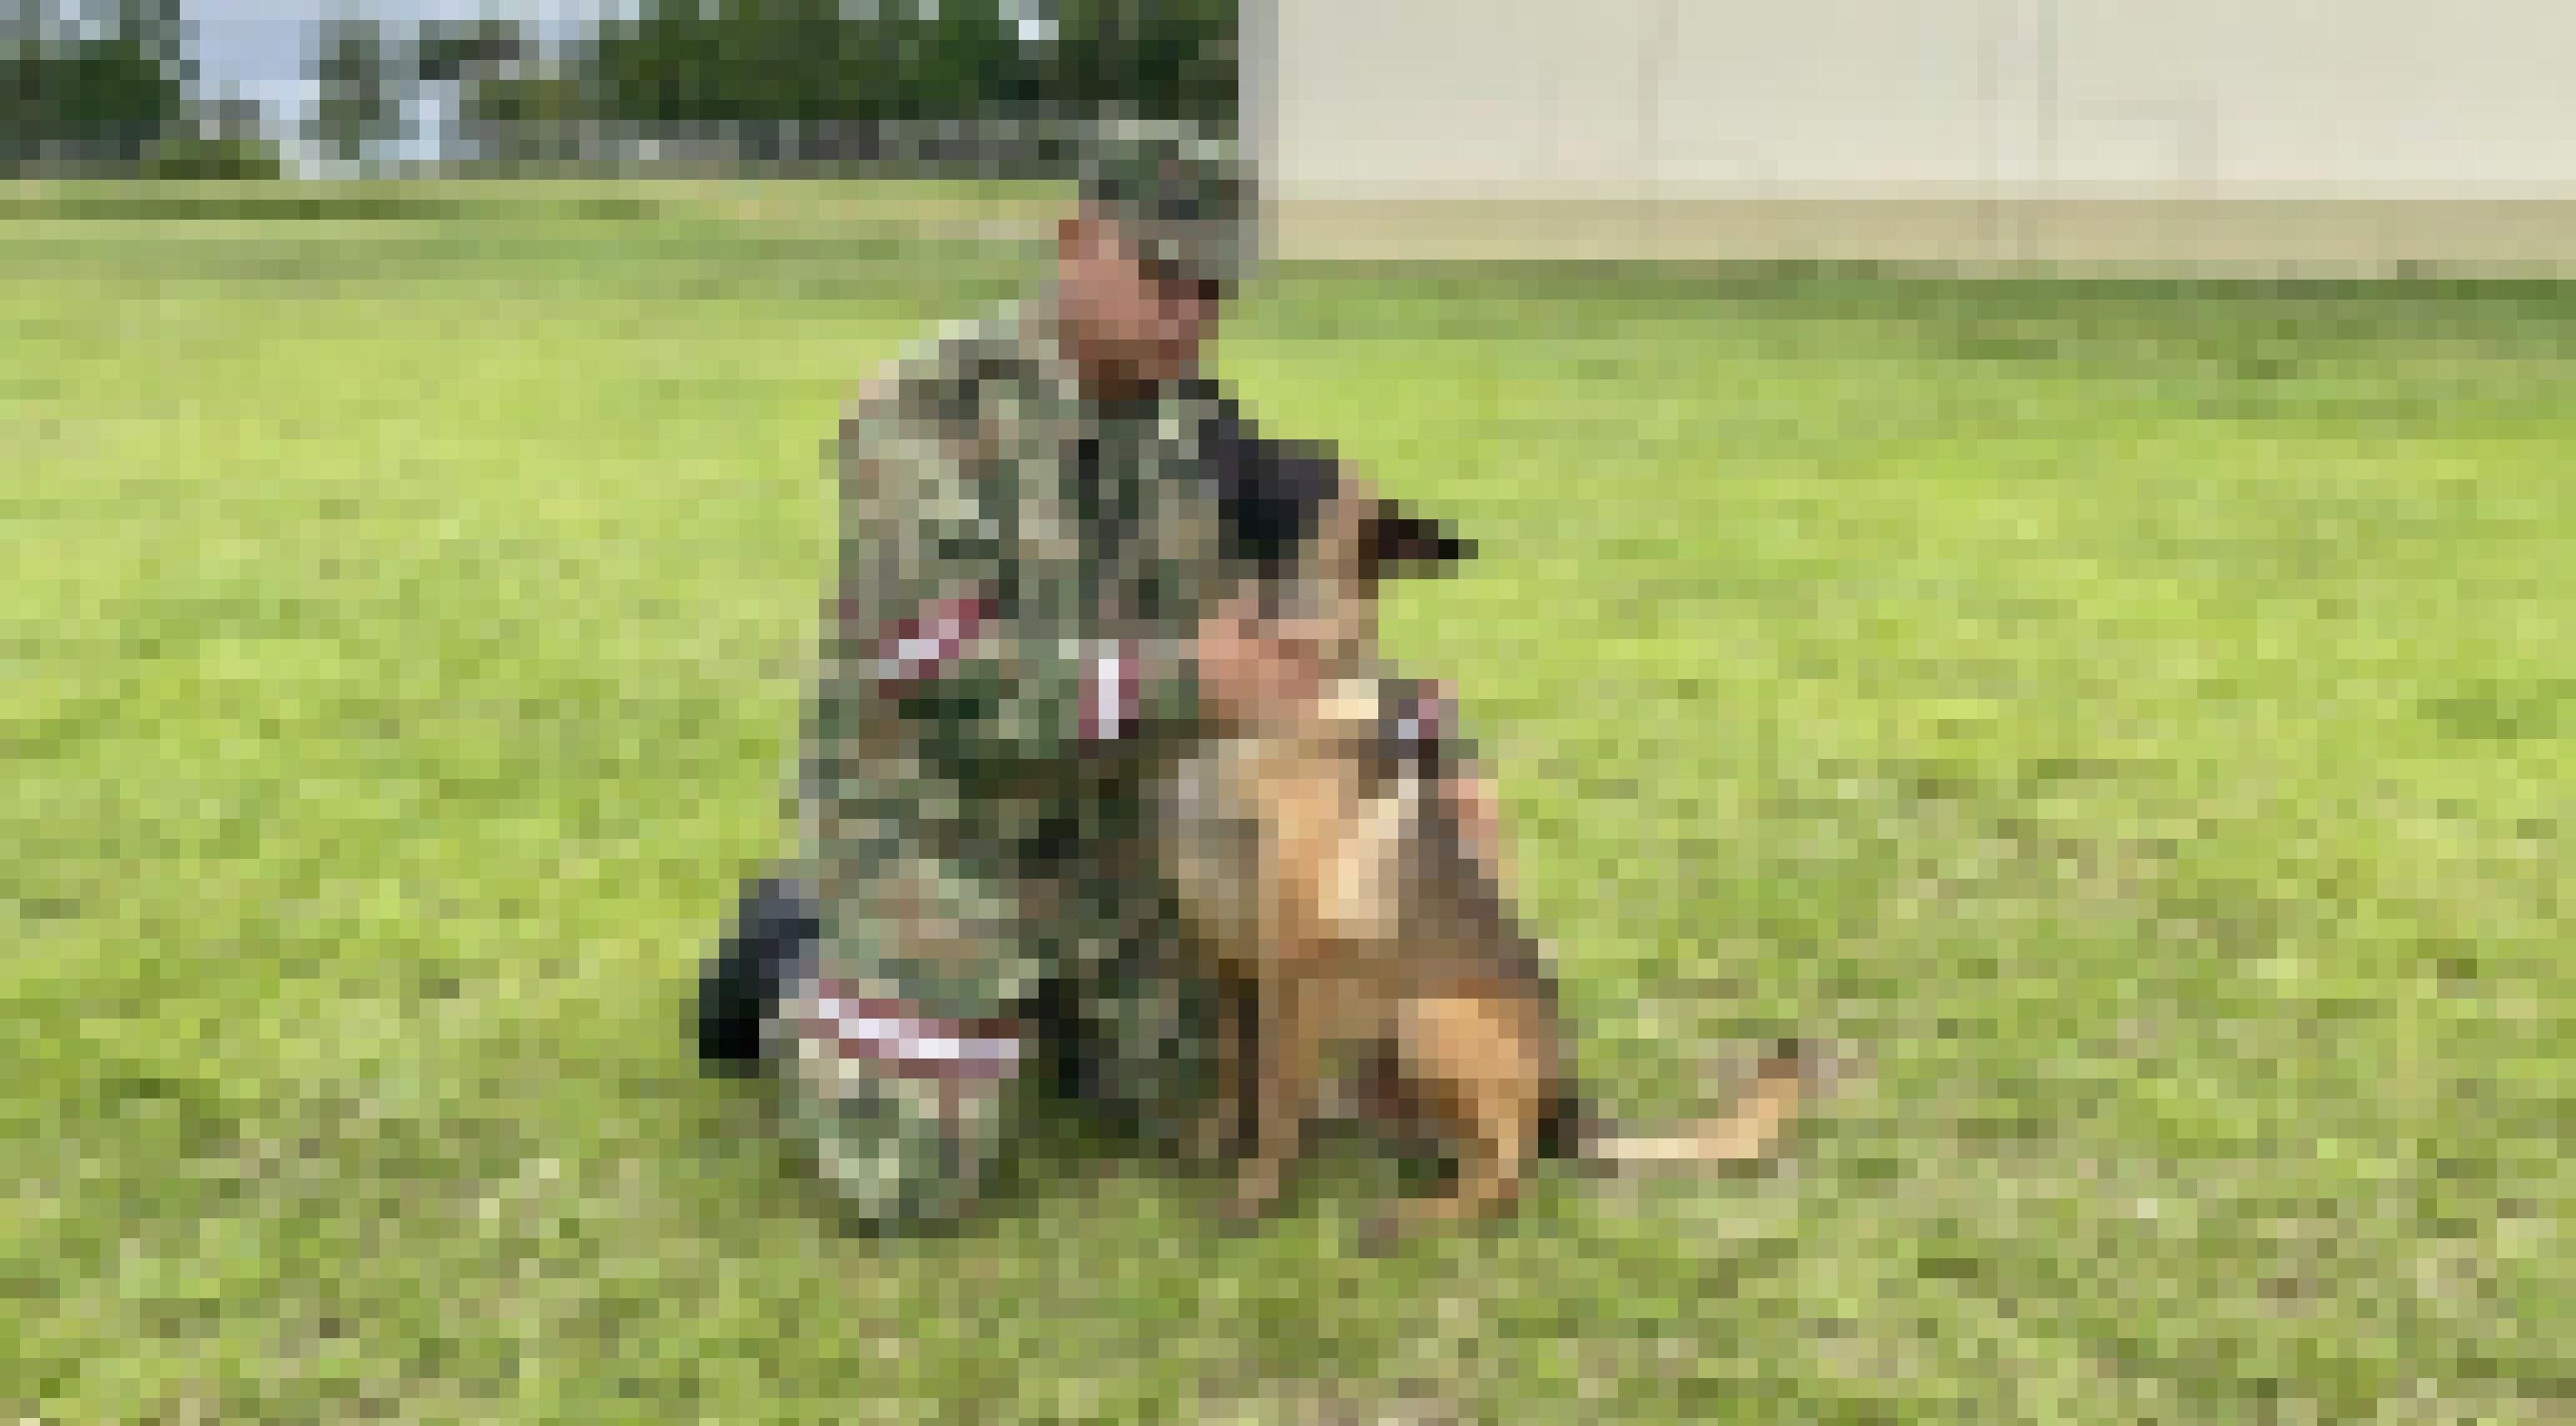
(1131, 313)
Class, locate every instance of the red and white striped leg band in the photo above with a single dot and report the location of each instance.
(1112, 692)
(900, 1040)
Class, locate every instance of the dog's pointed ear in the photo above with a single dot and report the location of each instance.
(1394, 540)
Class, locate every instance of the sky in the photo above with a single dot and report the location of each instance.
(262, 49)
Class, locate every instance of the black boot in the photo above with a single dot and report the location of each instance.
(773, 928)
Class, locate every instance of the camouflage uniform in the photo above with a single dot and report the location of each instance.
(1022, 573)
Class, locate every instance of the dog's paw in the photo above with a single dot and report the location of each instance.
(1379, 1234)
(1256, 1193)
(1212, 1141)
(1238, 1219)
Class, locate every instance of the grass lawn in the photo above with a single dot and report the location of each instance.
(2133, 721)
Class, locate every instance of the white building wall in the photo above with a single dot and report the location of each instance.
(2228, 108)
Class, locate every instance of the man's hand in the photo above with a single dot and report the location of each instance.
(1254, 669)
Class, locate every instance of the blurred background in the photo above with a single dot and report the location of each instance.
(2200, 134)
(260, 88)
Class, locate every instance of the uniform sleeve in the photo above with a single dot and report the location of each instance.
(992, 658)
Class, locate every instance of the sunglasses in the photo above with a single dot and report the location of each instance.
(1174, 280)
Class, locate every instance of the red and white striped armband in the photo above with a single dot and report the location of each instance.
(912, 651)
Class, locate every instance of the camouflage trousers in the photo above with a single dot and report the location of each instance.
(906, 1046)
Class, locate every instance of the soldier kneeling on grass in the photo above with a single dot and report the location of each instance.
(1036, 601)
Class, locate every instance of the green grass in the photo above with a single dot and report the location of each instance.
(2133, 721)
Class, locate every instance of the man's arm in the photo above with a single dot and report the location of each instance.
(995, 657)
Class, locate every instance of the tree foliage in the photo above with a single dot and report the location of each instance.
(831, 60)
(107, 92)
(1161, 59)
(363, 79)
(467, 50)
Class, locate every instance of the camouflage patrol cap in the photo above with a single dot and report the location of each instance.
(1185, 198)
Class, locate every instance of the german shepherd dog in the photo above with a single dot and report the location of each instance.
(1333, 892)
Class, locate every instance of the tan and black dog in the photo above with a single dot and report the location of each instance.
(1334, 892)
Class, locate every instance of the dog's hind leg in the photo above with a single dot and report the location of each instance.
(1489, 1178)
(1492, 1092)
(1490, 1160)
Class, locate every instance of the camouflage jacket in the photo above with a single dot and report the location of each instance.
(1022, 572)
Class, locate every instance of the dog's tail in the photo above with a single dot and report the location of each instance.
(1747, 1132)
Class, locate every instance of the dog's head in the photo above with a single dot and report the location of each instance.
(1318, 539)
(1367, 538)
(1296, 504)
(1361, 539)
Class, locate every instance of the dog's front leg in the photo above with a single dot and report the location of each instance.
(1221, 1127)
(1284, 1044)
